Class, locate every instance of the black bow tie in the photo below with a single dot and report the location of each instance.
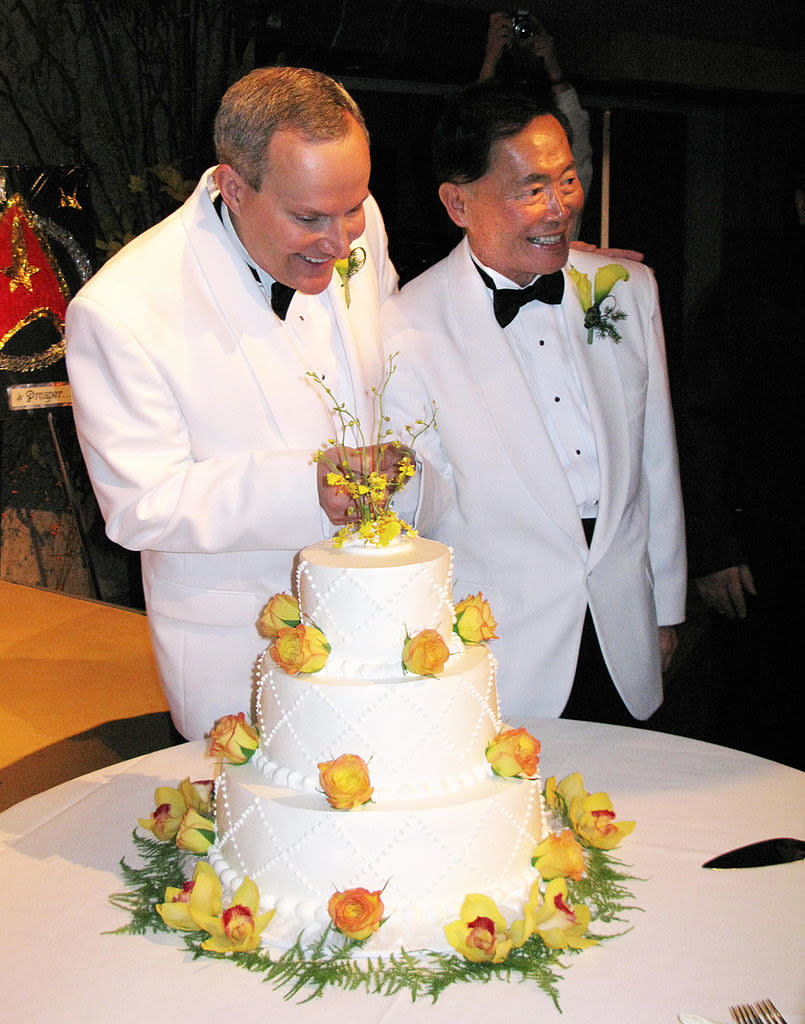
(507, 301)
(281, 295)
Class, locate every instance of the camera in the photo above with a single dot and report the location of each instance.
(525, 26)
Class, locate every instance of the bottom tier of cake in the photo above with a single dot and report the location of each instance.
(425, 855)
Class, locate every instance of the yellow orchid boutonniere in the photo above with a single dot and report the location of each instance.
(599, 318)
(349, 267)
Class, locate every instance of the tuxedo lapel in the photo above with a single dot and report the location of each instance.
(360, 332)
(597, 367)
(520, 429)
(297, 407)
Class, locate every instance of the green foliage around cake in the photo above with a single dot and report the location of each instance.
(307, 971)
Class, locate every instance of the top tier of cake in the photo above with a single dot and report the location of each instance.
(367, 599)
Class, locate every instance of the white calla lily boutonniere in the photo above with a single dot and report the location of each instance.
(347, 268)
(600, 309)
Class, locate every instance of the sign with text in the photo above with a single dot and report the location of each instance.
(38, 396)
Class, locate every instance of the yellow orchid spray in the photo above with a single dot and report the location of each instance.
(370, 488)
(596, 318)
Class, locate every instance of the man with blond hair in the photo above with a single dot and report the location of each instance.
(189, 355)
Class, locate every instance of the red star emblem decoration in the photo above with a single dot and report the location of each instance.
(31, 284)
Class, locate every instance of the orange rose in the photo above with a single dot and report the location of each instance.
(559, 856)
(425, 654)
(474, 620)
(281, 611)
(357, 913)
(195, 832)
(300, 649)
(514, 752)
(345, 782)
(233, 740)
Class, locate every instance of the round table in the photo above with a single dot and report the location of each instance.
(703, 939)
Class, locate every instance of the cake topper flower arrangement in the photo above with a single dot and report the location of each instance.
(370, 474)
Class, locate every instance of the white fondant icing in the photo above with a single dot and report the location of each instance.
(418, 735)
(366, 600)
(440, 825)
(426, 855)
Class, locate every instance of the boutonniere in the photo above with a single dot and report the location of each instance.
(598, 317)
(348, 267)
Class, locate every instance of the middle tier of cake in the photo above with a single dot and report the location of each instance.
(420, 736)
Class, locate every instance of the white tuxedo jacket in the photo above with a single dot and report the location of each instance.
(197, 423)
(504, 503)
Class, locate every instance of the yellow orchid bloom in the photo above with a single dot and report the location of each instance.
(560, 925)
(606, 278)
(175, 911)
(480, 934)
(593, 819)
(167, 817)
(347, 267)
(387, 527)
(239, 927)
(591, 815)
(559, 797)
(198, 794)
(521, 931)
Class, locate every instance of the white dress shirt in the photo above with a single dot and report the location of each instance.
(539, 340)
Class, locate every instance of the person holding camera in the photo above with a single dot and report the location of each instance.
(521, 52)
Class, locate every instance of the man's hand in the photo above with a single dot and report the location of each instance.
(726, 590)
(668, 644)
(338, 504)
(615, 254)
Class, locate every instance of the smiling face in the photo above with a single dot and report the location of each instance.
(519, 216)
(308, 210)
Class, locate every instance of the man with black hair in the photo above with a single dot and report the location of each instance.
(555, 433)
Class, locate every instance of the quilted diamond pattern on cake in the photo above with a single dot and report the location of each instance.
(440, 825)
(377, 849)
(373, 722)
(361, 613)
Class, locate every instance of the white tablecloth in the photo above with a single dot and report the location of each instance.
(703, 940)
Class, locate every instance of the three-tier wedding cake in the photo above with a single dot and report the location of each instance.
(440, 824)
